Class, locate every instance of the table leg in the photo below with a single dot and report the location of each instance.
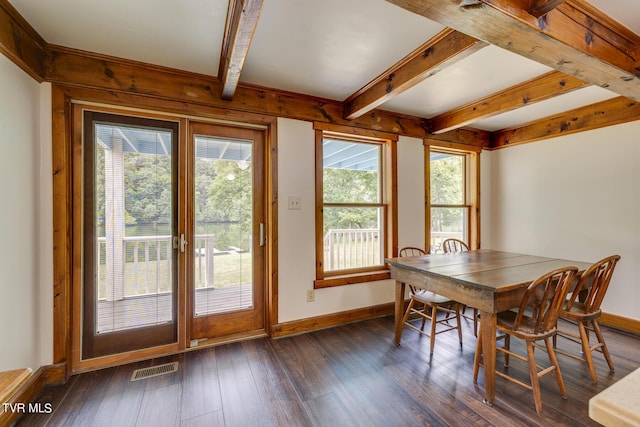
(488, 330)
(399, 310)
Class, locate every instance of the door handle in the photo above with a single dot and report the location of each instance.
(179, 242)
(262, 234)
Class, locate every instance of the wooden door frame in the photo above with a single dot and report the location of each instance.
(64, 262)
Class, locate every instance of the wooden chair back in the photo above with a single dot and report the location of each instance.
(411, 251)
(596, 278)
(545, 297)
(454, 245)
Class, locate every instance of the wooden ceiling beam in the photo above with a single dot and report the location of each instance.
(20, 42)
(122, 80)
(601, 114)
(573, 38)
(242, 20)
(538, 8)
(439, 52)
(543, 87)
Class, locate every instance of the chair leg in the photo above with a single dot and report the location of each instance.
(407, 313)
(554, 361)
(424, 319)
(432, 338)
(586, 350)
(475, 322)
(406, 317)
(507, 345)
(605, 350)
(476, 359)
(457, 307)
(533, 373)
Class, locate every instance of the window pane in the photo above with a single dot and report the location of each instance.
(352, 237)
(351, 172)
(446, 223)
(447, 179)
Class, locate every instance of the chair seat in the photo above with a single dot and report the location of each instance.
(428, 297)
(505, 322)
(578, 310)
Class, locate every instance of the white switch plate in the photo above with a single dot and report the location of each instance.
(294, 203)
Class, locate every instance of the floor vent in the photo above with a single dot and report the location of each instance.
(154, 371)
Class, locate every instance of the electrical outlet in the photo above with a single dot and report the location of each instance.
(311, 295)
(294, 203)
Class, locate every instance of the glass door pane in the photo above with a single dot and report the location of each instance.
(228, 211)
(223, 225)
(130, 273)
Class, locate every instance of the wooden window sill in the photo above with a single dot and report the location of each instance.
(352, 279)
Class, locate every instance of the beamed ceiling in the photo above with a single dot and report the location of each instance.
(484, 72)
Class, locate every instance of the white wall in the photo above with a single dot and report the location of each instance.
(411, 192)
(296, 240)
(45, 226)
(575, 197)
(25, 220)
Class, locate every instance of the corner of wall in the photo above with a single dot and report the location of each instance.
(45, 227)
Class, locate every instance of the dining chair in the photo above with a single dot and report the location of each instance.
(584, 311)
(535, 320)
(427, 304)
(452, 245)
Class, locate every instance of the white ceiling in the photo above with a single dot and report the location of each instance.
(331, 48)
(485, 72)
(328, 48)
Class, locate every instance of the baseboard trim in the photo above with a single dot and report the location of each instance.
(322, 322)
(45, 375)
(330, 320)
(620, 322)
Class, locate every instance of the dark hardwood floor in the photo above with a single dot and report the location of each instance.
(352, 375)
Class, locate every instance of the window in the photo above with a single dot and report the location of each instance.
(453, 196)
(352, 215)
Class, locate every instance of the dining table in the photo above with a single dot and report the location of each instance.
(491, 281)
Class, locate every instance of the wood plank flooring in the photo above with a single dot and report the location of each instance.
(351, 375)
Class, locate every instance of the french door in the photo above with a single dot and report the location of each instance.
(172, 233)
(227, 229)
(129, 208)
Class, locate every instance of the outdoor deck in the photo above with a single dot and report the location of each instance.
(145, 310)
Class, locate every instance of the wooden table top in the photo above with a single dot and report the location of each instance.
(486, 269)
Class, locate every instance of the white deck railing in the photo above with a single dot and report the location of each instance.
(348, 248)
(147, 265)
